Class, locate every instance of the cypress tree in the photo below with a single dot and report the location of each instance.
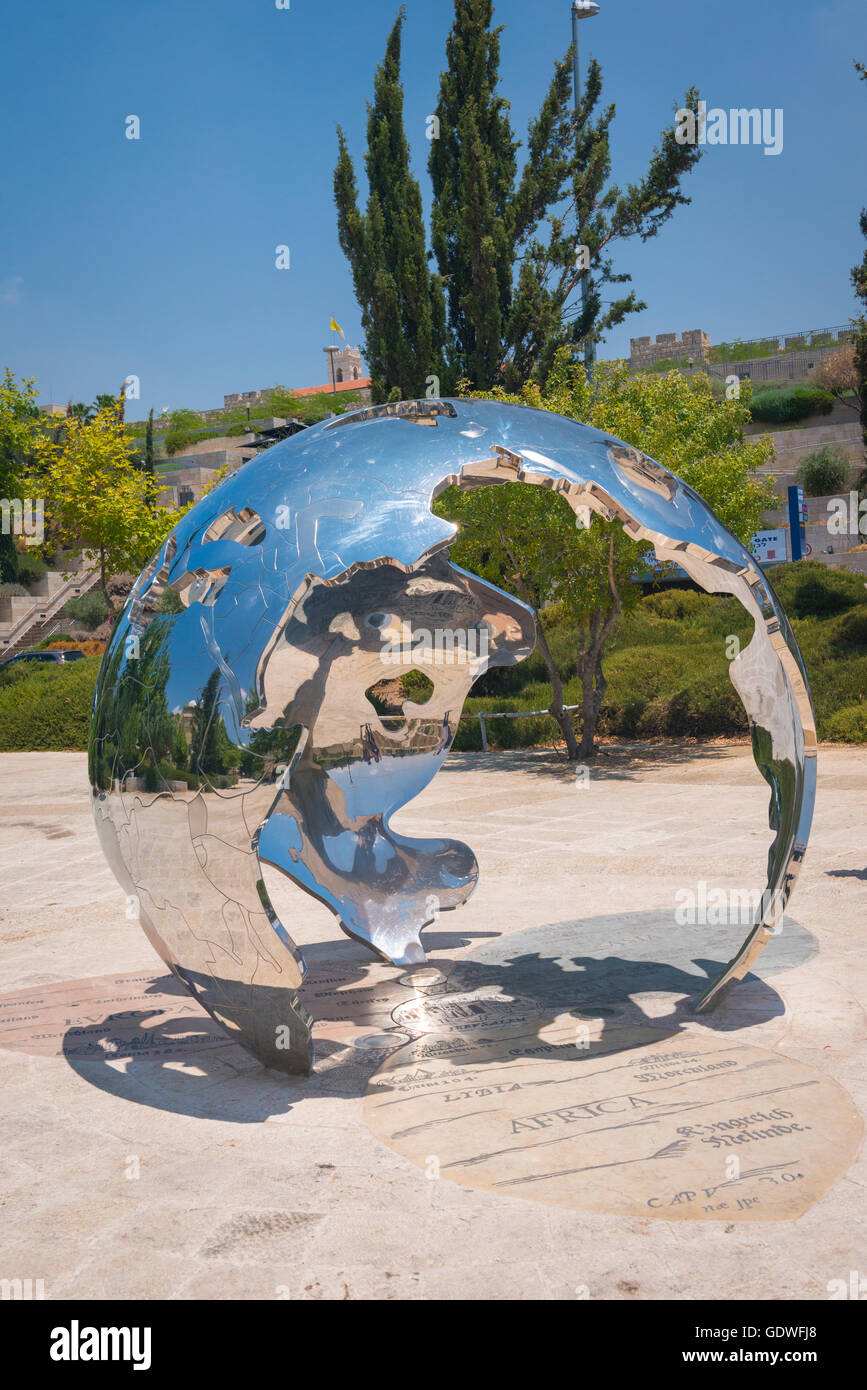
(859, 284)
(401, 302)
(507, 325)
(472, 167)
(506, 245)
(149, 444)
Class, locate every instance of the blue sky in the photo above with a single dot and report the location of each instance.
(156, 257)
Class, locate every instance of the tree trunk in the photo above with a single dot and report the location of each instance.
(593, 681)
(555, 709)
(103, 584)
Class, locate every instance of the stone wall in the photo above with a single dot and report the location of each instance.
(643, 352)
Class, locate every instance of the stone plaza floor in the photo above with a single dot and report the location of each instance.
(535, 1113)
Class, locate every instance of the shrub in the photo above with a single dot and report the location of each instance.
(416, 686)
(177, 440)
(790, 403)
(48, 707)
(850, 630)
(847, 725)
(170, 602)
(808, 589)
(705, 708)
(824, 471)
(170, 773)
(31, 568)
(13, 591)
(88, 609)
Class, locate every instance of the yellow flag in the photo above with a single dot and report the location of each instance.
(335, 327)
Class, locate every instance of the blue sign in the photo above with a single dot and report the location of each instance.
(797, 522)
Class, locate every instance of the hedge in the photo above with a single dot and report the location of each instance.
(790, 403)
(46, 706)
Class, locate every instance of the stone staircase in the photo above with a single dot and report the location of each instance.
(27, 619)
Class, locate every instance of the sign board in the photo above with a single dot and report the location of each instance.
(769, 547)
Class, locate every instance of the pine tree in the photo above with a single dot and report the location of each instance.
(859, 284)
(149, 444)
(401, 302)
(506, 325)
(472, 167)
(506, 244)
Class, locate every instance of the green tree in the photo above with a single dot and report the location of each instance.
(859, 272)
(98, 503)
(402, 306)
(20, 422)
(149, 443)
(525, 539)
(859, 284)
(486, 220)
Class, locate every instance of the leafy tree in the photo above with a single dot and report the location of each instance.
(97, 502)
(184, 419)
(839, 374)
(20, 421)
(401, 303)
(525, 539)
(183, 430)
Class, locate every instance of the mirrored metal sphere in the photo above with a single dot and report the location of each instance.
(234, 725)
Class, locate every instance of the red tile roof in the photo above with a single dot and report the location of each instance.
(356, 385)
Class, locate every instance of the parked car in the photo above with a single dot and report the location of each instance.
(59, 657)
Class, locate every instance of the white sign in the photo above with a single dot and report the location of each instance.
(769, 547)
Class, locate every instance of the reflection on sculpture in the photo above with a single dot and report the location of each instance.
(233, 722)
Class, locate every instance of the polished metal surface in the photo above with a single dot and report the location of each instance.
(233, 719)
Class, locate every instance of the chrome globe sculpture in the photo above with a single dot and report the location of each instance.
(250, 643)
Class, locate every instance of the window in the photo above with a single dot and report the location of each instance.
(338, 376)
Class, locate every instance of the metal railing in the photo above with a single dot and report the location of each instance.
(483, 715)
(79, 583)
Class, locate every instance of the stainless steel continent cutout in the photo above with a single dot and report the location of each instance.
(232, 725)
(626, 1121)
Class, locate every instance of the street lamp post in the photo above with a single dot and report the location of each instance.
(581, 9)
(331, 351)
